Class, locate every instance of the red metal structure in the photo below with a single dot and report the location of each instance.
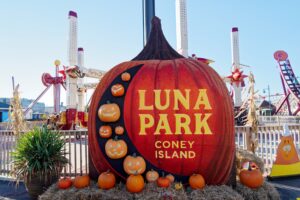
(290, 84)
(48, 81)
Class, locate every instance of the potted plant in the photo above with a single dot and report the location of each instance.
(38, 159)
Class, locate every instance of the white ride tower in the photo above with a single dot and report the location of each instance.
(181, 28)
(81, 91)
(237, 86)
(71, 82)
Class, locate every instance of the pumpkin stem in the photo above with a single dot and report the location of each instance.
(116, 137)
(157, 47)
(134, 154)
(108, 102)
(249, 167)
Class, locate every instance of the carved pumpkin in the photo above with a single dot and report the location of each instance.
(125, 76)
(163, 182)
(251, 178)
(117, 90)
(81, 181)
(115, 148)
(119, 130)
(64, 183)
(135, 183)
(178, 186)
(196, 181)
(167, 105)
(105, 131)
(134, 164)
(152, 175)
(106, 180)
(170, 177)
(109, 112)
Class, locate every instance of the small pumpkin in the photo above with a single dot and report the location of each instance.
(170, 177)
(163, 182)
(135, 183)
(125, 76)
(106, 180)
(64, 183)
(109, 112)
(251, 178)
(81, 181)
(196, 181)
(134, 164)
(117, 90)
(178, 186)
(115, 148)
(105, 131)
(119, 130)
(152, 175)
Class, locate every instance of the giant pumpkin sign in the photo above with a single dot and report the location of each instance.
(175, 112)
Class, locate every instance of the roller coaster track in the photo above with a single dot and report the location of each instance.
(290, 84)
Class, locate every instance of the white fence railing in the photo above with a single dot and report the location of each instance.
(278, 120)
(268, 140)
(77, 147)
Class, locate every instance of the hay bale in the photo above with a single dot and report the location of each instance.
(151, 192)
(215, 193)
(245, 156)
(265, 192)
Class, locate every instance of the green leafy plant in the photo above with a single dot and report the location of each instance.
(38, 153)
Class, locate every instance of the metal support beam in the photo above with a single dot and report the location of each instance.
(148, 14)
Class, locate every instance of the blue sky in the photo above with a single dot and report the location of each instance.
(34, 34)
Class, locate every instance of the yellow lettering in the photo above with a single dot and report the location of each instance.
(184, 100)
(201, 124)
(202, 100)
(142, 105)
(191, 143)
(143, 124)
(158, 144)
(182, 124)
(158, 99)
(163, 124)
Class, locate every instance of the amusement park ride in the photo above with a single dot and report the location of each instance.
(71, 77)
(290, 84)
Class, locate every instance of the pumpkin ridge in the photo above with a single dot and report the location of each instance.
(197, 83)
(157, 47)
(220, 152)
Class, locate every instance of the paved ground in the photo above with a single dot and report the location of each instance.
(288, 189)
(9, 191)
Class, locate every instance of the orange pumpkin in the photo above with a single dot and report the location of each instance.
(117, 90)
(64, 183)
(106, 180)
(109, 112)
(152, 175)
(105, 131)
(163, 182)
(251, 178)
(197, 181)
(134, 164)
(81, 181)
(178, 186)
(170, 177)
(115, 148)
(135, 183)
(125, 76)
(119, 130)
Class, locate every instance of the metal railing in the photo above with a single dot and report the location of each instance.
(278, 120)
(77, 147)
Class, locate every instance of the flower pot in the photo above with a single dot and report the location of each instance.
(37, 184)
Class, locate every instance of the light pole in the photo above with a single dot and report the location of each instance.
(264, 91)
